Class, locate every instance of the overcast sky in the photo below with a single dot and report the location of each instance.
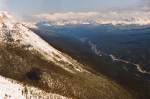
(36, 6)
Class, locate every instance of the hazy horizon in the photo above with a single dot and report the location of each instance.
(74, 9)
(27, 7)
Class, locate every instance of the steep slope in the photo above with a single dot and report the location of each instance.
(10, 89)
(25, 57)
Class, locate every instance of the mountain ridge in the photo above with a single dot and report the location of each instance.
(27, 58)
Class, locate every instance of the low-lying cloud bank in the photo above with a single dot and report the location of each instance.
(113, 17)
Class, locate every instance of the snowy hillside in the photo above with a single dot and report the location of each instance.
(19, 34)
(11, 89)
(36, 68)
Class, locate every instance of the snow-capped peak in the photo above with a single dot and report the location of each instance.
(4, 15)
(20, 35)
(7, 19)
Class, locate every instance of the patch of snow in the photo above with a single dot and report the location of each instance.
(10, 89)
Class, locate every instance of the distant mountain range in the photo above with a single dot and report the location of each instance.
(114, 18)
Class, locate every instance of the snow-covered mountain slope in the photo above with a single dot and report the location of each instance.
(28, 59)
(19, 34)
(11, 89)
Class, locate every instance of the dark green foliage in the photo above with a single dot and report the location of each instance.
(34, 74)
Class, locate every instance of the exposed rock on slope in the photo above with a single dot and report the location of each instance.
(25, 57)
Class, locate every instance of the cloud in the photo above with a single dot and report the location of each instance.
(112, 17)
(68, 17)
